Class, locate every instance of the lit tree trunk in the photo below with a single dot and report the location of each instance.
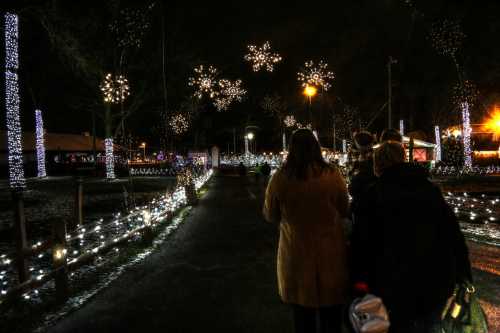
(108, 144)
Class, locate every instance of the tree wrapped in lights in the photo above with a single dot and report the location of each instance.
(115, 91)
(130, 26)
(204, 81)
(316, 75)
(437, 134)
(14, 133)
(447, 38)
(262, 57)
(40, 144)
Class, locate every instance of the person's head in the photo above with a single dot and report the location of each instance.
(304, 155)
(363, 142)
(391, 134)
(386, 155)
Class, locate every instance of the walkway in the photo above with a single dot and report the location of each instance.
(215, 274)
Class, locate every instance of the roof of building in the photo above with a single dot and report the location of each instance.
(56, 142)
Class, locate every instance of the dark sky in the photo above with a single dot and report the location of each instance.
(354, 37)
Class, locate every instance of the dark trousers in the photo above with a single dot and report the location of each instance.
(327, 319)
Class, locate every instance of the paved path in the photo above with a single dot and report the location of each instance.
(215, 274)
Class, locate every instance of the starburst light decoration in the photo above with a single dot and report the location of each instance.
(131, 25)
(179, 123)
(204, 81)
(115, 90)
(14, 133)
(290, 121)
(316, 75)
(465, 92)
(262, 57)
(222, 103)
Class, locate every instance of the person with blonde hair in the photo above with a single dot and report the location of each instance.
(307, 197)
(407, 247)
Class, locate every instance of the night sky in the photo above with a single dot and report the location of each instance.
(354, 37)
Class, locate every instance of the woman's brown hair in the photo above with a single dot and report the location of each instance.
(304, 156)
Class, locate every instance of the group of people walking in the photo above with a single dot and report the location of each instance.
(397, 239)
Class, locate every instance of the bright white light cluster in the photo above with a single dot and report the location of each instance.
(437, 133)
(204, 81)
(110, 161)
(179, 123)
(115, 90)
(40, 144)
(316, 75)
(466, 135)
(229, 92)
(401, 127)
(290, 121)
(95, 238)
(14, 133)
(262, 57)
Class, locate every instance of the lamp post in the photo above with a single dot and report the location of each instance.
(310, 92)
(143, 146)
(250, 137)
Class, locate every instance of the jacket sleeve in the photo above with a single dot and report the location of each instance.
(271, 208)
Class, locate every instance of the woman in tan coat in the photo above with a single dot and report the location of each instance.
(308, 198)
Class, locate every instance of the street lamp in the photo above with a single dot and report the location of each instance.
(143, 146)
(250, 136)
(310, 92)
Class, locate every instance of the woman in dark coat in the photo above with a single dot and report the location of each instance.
(407, 245)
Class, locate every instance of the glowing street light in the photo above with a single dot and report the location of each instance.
(310, 91)
(143, 146)
(493, 123)
(250, 136)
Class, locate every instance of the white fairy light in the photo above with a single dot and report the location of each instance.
(466, 135)
(204, 81)
(222, 103)
(290, 121)
(14, 133)
(401, 127)
(437, 133)
(262, 57)
(316, 75)
(40, 144)
(110, 162)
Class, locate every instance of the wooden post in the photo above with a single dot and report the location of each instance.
(79, 201)
(20, 234)
(59, 259)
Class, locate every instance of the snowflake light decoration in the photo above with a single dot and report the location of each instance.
(447, 37)
(115, 90)
(204, 81)
(272, 104)
(222, 103)
(179, 124)
(232, 89)
(316, 75)
(290, 121)
(262, 57)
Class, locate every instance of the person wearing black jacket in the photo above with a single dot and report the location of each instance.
(363, 175)
(407, 247)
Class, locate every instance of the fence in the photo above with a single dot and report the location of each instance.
(64, 252)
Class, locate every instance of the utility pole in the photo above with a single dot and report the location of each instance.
(390, 62)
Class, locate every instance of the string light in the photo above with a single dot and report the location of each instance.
(447, 37)
(401, 127)
(179, 124)
(14, 133)
(222, 103)
(290, 121)
(316, 75)
(262, 57)
(40, 144)
(110, 161)
(466, 135)
(115, 90)
(437, 133)
(131, 26)
(204, 81)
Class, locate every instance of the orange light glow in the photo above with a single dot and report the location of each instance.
(310, 91)
(492, 124)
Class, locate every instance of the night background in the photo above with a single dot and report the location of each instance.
(66, 49)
